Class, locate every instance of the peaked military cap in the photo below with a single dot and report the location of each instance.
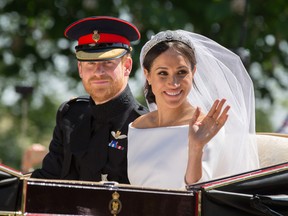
(102, 37)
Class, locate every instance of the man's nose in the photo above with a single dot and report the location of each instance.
(99, 68)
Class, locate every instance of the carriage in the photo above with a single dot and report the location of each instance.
(259, 192)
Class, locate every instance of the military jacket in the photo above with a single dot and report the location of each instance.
(90, 141)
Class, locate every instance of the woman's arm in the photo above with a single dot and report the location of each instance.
(200, 133)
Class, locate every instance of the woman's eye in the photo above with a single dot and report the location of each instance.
(183, 72)
(162, 73)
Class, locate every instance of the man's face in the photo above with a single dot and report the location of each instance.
(104, 80)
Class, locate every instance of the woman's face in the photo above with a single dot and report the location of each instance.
(170, 78)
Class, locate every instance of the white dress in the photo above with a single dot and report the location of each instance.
(157, 157)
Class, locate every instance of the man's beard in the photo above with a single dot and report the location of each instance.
(105, 93)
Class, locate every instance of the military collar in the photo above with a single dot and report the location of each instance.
(112, 108)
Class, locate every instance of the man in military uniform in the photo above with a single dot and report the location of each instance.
(90, 137)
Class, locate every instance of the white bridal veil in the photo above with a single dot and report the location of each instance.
(220, 74)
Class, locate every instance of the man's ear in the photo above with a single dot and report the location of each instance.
(127, 65)
(79, 69)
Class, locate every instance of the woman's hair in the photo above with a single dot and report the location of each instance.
(157, 50)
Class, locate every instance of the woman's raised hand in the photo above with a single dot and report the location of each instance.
(201, 132)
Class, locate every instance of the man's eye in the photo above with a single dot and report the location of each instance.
(91, 63)
(109, 62)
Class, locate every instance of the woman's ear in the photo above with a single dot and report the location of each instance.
(194, 70)
(147, 75)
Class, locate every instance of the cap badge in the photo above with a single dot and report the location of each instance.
(95, 36)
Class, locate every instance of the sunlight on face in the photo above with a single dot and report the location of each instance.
(104, 80)
(170, 78)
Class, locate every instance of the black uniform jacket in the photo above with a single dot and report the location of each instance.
(90, 141)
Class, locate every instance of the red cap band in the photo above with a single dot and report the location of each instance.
(104, 38)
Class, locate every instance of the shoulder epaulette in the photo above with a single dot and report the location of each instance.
(84, 98)
(141, 109)
(65, 106)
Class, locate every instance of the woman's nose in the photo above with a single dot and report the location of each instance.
(174, 81)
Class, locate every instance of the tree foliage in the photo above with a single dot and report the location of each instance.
(35, 53)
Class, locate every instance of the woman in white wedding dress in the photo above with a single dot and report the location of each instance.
(201, 125)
